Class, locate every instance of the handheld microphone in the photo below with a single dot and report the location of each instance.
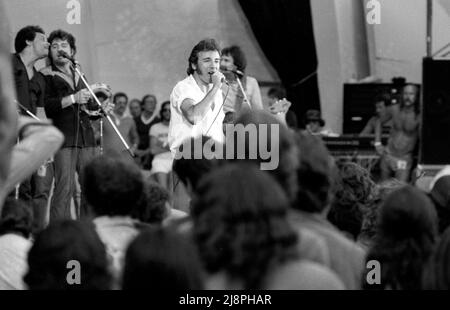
(223, 80)
(65, 55)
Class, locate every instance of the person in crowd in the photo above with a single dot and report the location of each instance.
(381, 120)
(316, 176)
(440, 196)
(159, 145)
(15, 232)
(135, 108)
(436, 275)
(113, 189)
(243, 235)
(276, 94)
(68, 255)
(233, 64)
(354, 192)
(196, 102)
(144, 122)
(315, 124)
(112, 144)
(397, 156)
(407, 233)
(155, 208)
(65, 101)
(371, 213)
(152, 262)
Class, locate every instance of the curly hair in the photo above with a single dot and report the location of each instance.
(60, 243)
(371, 214)
(151, 208)
(240, 224)
(405, 240)
(353, 193)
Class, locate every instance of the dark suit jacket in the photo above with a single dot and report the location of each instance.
(73, 122)
(30, 93)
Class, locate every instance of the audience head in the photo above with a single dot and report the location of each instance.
(66, 246)
(280, 145)
(371, 214)
(161, 259)
(112, 186)
(135, 107)
(315, 174)
(191, 167)
(410, 96)
(120, 103)
(153, 207)
(405, 239)
(354, 192)
(149, 103)
(164, 114)
(206, 45)
(240, 224)
(16, 218)
(381, 102)
(440, 195)
(436, 275)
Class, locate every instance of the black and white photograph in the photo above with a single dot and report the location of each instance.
(223, 152)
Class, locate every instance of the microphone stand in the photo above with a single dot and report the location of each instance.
(242, 89)
(75, 66)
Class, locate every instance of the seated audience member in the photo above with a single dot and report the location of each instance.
(440, 195)
(381, 120)
(316, 176)
(276, 94)
(135, 108)
(15, 231)
(405, 239)
(154, 208)
(144, 122)
(159, 145)
(61, 243)
(113, 190)
(353, 194)
(371, 214)
(160, 259)
(436, 275)
(243, 236)
(315, 124)
(112, 143)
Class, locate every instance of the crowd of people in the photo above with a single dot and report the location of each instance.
(310, 223)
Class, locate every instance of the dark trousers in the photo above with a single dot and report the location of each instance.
(35, 190)
(67, 161)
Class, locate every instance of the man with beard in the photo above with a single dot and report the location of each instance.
(397, 156)
(196, 102)
(64, 100)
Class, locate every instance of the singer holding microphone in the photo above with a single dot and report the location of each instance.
(196, 102)
(65, 95)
